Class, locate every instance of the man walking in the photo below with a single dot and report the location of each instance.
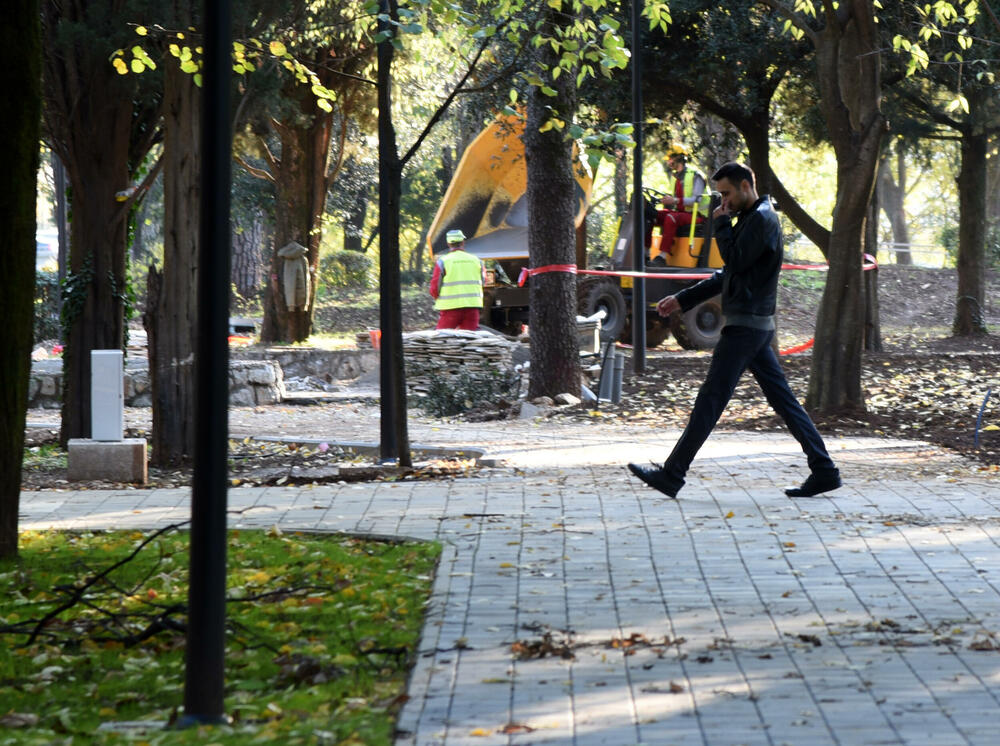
(752, 250)
(457, 285)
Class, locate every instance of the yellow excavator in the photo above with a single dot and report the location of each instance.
(486, 200)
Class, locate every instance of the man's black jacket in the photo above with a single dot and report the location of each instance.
(752, 250)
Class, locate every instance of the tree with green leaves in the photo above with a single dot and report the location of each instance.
(845, 41)
(171, 316)
(101, 125)
(20, 76)
(310, 124)
(731, 61)
(950, 82)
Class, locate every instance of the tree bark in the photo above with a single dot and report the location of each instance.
(971, 262)
(93, 125)
(172, 304)
(873, 321)
(248, 255)
(848, 67)
(20, 76)
(300, 183)
(555, 346)
(891, 193)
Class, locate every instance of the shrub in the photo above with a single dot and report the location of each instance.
(47, 324)
(345, 269)
(449, 395)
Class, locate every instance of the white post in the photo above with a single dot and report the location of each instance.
(107, 395)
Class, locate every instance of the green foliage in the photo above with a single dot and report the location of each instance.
(345, 269)
(47, 325)
(449, 395)
(320, 636)
(75, 289)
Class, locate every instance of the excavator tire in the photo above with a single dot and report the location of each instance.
(699, 328)
(601, 294)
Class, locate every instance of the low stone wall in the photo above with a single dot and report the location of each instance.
(251, 382)
(310, 362)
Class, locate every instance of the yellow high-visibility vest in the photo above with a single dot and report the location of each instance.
(461, 282)
(703, 201)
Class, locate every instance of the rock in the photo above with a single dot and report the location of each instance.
(567, 399)
(543, 401)
(529, 411)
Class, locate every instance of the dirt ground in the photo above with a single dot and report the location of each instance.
(924, 384)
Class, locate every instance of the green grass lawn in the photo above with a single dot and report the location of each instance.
(321, 634)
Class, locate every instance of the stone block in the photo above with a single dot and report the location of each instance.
(112, 461)
(265, 373)
(242, 397)
(49, 386)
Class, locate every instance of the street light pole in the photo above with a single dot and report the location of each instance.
(206, 644)
(638, 229)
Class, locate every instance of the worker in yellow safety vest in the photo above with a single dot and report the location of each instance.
(457, 285)
(688, 197)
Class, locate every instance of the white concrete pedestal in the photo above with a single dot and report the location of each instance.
(111, 461)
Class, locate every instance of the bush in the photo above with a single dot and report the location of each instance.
(345, 269)
(414, 277)
(466, 390)
(47, 324)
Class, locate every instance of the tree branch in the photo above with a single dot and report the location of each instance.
(79, 591)
(447, 102)
(798, 21)
(260, 173)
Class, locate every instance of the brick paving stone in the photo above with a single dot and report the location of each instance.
(748, 617)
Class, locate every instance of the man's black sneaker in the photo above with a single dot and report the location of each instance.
(656, 478)
(816, 484)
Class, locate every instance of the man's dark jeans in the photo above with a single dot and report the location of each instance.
(741, 348)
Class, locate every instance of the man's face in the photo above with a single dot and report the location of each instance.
(676, 164)
(734, 197)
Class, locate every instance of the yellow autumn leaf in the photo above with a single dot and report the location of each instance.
(120, 66)
(277, 48)
(141, 30)
(788, 544)
(259, 577)
(506, 564)
(730, 514)
(479, 732)
(991, 428)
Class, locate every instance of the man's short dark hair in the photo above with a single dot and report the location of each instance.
(736, 173)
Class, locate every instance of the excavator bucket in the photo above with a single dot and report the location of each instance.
(486, 198)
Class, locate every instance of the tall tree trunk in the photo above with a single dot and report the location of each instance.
(873, 321)
(891, 193)
(300, 183)
(20, 77)
(89, 117)
(971, 262)
(555, 346)
(394, 435)
(172, 305)
(848, 68)
(248, 255)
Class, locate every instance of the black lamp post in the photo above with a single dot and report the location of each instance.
(205, 661)
(638, 229)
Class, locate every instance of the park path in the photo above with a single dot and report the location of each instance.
(730, 616)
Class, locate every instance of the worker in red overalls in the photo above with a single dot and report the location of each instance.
(457, 285)
(688, 192)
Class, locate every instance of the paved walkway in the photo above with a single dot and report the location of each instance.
(730, 616)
